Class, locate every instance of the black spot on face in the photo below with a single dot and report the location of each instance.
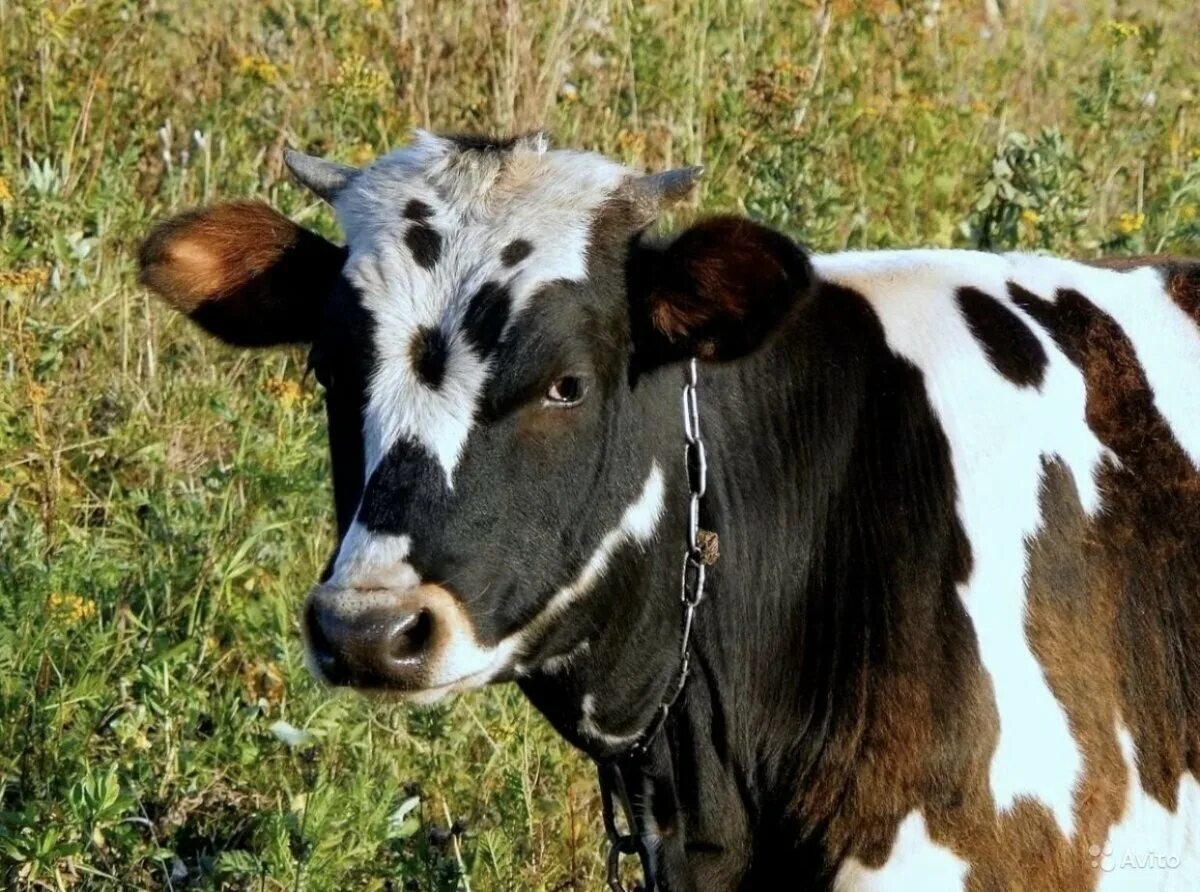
(1012, 348)
(428, 354)
(425, 242)
(486, 317)
(515, 251)
(417, 210)
(406, 492)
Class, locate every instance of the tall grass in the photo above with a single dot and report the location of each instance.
(164, 501)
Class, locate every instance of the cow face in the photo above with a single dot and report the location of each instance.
(480, 340)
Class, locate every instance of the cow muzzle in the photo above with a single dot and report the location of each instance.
(417, 642)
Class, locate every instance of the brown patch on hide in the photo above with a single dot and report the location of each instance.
(1183, 284)
(1144, 546)
(1071, 623)
(1113, 619)
(935, 730)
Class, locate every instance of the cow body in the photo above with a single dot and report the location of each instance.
(1074, 443)
(1068, 396)
(954, 636)
(953, 639)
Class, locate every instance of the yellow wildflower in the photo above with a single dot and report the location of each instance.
(1128, 224)
(1121, 30)
(1187, 213)
(71, 608)
(287, 391)
(373, 5)
(631, 141)
(361, 153)
(37, 393)
(5, 191)
(22, 279)
(789, 69)
(1030, 216)
(258, 67)
(263, 681)
(357, 79)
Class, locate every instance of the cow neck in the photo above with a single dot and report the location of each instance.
(700, 552)
(821, 454)
(758, 420)
(778, 431)
(831, 487)
(751, 411)
(628, 666)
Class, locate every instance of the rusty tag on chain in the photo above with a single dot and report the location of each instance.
(709, 547)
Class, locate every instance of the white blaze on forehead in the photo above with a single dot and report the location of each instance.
(998, 435)
(479, 202)
(915, 862)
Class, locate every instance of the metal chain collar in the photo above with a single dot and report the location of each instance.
(701, 552)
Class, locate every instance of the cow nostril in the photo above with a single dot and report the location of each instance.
(410, 636)
(322, 648)
(369, 646)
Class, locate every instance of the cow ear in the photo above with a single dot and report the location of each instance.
(716, 292)
(243, 272)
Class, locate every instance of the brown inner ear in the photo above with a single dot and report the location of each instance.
(211, 254)
(720, 289)
(243, 272)
(675, 316)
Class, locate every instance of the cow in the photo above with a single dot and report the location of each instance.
(952, 639)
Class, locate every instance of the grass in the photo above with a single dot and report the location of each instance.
(164, 501)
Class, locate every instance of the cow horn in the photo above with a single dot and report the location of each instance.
(654, 191)
(325, 178)
(672, 185)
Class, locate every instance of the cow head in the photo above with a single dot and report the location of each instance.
(484, 340)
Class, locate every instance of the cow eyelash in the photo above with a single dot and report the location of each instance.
(566, 392)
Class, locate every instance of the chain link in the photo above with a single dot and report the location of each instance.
(701, 552)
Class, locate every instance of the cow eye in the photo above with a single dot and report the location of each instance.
(565, 392)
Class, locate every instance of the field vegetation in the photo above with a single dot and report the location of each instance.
(164, 501)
